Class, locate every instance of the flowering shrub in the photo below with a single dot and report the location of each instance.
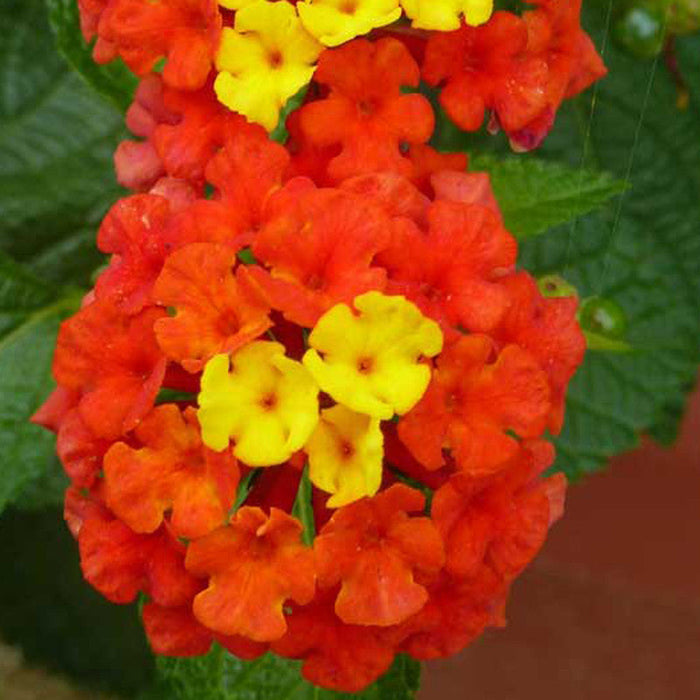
(308, 406)
(307, 398)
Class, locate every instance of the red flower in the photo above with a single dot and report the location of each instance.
(320, 245)
(500, 521)
(254, 565)
(427, 161)
(452, 617)
(394, 193)
(120, 563)
(487, 68)
(171, 473)
(452, 272)
(554, 32)
(468, 188)
(134, 232)
(374, 550)
(185, 32)
(474, 399)
(366, 111)
(214, 312)
(114, 362)
(183, 130)
(547, 328)
(79, 450)
(336, 656)
(175, 631)
(247, 170)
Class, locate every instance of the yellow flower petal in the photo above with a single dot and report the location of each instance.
(235, 4)
(333, 22)
(371, 361)
(264, 401)
(346, 455)
(264, 61)
(445, 15)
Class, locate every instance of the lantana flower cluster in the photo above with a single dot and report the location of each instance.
(305, 407)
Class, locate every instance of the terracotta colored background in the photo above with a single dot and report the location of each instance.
(611, 607)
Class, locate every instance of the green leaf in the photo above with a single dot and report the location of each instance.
(59, 621)
(114, 81)
(221, 676)
(57, 138)
(643, 252)
(30, 311)
(303, 508)
(535, 195)
(280, 133)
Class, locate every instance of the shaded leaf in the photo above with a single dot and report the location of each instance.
(56, 143)
(59, 621)
(535, 195)
(30, 311)
(221, 676)
(113, 81)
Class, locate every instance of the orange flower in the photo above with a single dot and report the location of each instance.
(336, 656)
(547, 328)
(175, 631)
(120, 563)
(185, 32)
(366, 112)
(214, 312)
(246, 171)
(79, 450)
(453, 616)
(133, 231)
(374, 550)
(172, 472)
(115, 364)
(254, 565)
(452, 273)
(487, 68)
(501, 521)
(475, 398)
(319, 245)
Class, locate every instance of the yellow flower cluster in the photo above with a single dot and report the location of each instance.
(369, 360)
(271, 51)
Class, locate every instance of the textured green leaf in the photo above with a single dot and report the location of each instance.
(114, 81)
(56, 143)
(30, 311)
(220, 676)
(535, 195)
(643, 252)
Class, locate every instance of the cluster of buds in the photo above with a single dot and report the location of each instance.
(305, 407)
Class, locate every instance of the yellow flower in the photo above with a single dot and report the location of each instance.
(371, 361)
(444, 15)
(235, 4)
(345, 455)
(333, 22)
(266, 402)
(266, 59)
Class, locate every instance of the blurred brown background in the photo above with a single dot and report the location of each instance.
(611, 607)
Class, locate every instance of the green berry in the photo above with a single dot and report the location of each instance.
(641, 30)
(553, 286)
(603, 317)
